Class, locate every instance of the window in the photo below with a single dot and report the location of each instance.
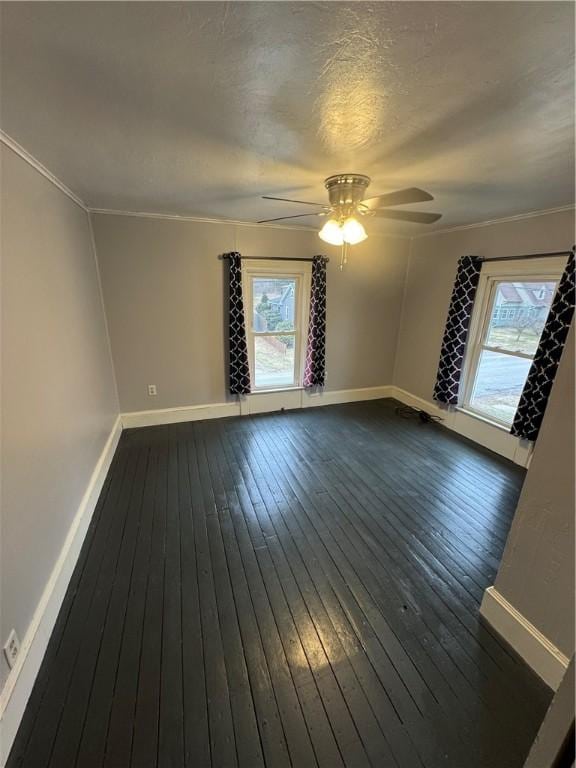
(511, 308)
(277, 301)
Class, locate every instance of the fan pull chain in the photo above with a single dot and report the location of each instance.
(343, 256)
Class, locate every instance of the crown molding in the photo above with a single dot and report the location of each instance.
(503, 220)
(37, 165)
(234, 222)
(198, 219)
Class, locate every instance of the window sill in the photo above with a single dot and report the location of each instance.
(485, 419)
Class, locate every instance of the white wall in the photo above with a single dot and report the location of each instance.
(536, 574)
(164, 293)
(58, 394)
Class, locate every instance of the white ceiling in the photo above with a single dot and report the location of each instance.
(199, 108)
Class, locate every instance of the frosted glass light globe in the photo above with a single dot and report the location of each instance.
(353, 232)
(331, 233)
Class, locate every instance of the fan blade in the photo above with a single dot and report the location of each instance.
(281, 218)
(418, 217)
(286, 200)
(401, 197)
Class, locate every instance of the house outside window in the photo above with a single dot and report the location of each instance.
(511, 307)
(277, 296)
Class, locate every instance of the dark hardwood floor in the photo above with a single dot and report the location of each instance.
(291, 589)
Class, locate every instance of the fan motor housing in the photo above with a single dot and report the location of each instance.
(346, 189)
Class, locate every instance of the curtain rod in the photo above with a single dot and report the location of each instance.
(528, 256)
(273, 258)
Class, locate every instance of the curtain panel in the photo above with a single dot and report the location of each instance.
(536, 392)
(238, 368)
(315, 367)
(455, 337)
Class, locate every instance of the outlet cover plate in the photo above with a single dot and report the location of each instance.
(11, 648)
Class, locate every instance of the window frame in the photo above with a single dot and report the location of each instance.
(492, 273)
(301, 272)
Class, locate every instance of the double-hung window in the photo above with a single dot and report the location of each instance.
(276, 297)
(511, 307)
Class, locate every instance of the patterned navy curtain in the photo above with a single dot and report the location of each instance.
(456, 331)
(542, 372)
(239, 371)
(315, 368)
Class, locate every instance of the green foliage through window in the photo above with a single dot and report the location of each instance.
(270, 312)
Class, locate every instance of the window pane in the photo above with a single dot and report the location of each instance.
(273, 361)
(273, 303)
(518, 315)
(498, 386)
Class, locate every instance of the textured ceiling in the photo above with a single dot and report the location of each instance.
(199, 108)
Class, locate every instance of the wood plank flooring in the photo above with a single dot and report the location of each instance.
(292, 589)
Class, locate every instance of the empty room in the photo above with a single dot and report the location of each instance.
(287, 384)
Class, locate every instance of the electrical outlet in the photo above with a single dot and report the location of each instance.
(152, 390)
(11, 648)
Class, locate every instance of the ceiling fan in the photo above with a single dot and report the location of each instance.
(347, 204)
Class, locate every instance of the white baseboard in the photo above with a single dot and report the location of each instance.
(258, 402)
(475, 428)
(154, 418)
(312, 399)
(263, 402)
(537, 651)
(531, 645)
(20, 681)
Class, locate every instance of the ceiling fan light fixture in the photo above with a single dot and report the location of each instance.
(353, 232)
(332, 233)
